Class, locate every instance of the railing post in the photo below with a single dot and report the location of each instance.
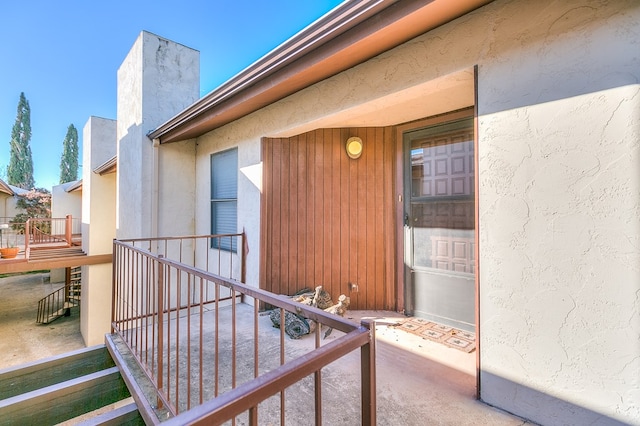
(243, 261)
(160, 308)
(368, 374)
(27, 237)
(114, 271)
(67, 229)
(67, 283)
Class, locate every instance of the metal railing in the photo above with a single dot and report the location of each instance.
(198, 334)
(51, 230)
(57, 304)
(12, 237)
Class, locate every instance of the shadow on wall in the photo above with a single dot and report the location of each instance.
(538, 406)
(557, 80)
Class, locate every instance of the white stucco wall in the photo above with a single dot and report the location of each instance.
(99, 197)
(249, 186)
(176, 189)
(98, 227)
(157, 79)
(7, 205)
(95, 305)
(558, 103)
(65, 203)
(559, 141)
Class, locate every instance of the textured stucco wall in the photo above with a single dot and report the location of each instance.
(558, 104)
(99, 196)
(157, 79)
(98, 227)
(95, 305)
(176, 188)
(11, 207)
(249, 186)
(64, 203)
(559, 175)
(3, 205)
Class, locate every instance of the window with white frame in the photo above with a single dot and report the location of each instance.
(224, 198)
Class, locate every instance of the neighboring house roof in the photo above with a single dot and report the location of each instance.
(17, 190)
(109, 166)
(6, 188)
(74, 186)
(348, 35)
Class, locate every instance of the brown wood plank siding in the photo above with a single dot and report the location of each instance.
(391, 198)
(329, 220)
(317, 224)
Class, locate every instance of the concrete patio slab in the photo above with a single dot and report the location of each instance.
(419, 382)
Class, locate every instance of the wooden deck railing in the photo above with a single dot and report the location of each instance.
(198, 333)
(51, 230)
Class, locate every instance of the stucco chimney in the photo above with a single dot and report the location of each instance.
(158, 79)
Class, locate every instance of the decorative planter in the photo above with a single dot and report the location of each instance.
(9, 252)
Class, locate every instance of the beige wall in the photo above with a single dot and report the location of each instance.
(558, 103)
(157, 79)
(176, 189)
(65, 203)
(95, 307)
(98, 227)
(8, 205)
(559, 194)
(5, 199)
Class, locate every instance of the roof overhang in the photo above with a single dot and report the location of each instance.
(5, 188)
(75, 186)
(109, 166)
(348, 35)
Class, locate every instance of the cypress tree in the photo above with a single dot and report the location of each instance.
(69, 160)
(20, 169)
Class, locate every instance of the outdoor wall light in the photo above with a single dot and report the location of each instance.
(354, 147)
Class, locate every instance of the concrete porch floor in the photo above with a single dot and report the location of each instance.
(418, 382)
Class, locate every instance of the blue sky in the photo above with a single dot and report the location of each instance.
(64, 56)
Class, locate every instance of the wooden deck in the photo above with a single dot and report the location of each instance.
(51, 256)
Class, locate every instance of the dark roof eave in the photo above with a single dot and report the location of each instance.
(345, 37)
(77, 185)
(6, 188)
(108, 166)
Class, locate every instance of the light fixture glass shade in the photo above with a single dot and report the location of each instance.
(354, 147)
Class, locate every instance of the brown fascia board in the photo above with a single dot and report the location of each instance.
(76, 186)
(6, 188)
(109, 166)
(358, 36)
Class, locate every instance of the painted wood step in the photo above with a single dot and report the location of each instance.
(65, 387)
(28, 377)
(66, 400)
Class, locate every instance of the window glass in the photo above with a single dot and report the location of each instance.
(224, 198)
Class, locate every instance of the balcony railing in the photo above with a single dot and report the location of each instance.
(197, 332)
(52, 230)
